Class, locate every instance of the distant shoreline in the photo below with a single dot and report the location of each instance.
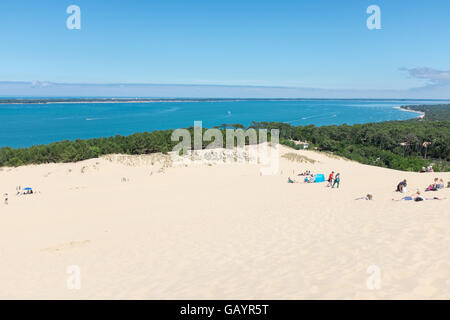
(408, 109)
(150, 100)
(109, 100)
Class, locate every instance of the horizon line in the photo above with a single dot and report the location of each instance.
(41, 89)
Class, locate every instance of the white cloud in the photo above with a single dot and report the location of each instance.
(434, 76)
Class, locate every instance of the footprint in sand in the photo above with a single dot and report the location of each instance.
(77, 188)
(65, 246)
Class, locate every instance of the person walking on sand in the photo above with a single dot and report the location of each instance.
(6, 198)
(337, 180)
(330, 179)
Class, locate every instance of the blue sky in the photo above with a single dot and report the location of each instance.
(323, 45)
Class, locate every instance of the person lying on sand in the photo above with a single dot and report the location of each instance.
(367, 197)
(291, 181)
(435, 198)
(418, 197)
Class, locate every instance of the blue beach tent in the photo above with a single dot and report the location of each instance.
(320, 177)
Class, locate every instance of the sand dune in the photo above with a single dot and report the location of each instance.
(138, 227)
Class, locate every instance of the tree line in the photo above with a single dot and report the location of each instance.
(404, 145)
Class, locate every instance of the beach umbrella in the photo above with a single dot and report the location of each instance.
(27, 188)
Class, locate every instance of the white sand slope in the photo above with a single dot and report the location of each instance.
(220, 232)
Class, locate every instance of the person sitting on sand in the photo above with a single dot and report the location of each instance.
(433, 186)
(440, 185)
(337, 180)
(401, 187)
(423, 170)
(367, 197)
(27, 191)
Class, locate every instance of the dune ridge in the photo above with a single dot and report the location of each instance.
(140, 227)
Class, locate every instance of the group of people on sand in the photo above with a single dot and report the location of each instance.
(427, 169)
(438, 184)
(19, 192)
(417, 196)
(23, 191)
(309, 177)
(333, 180)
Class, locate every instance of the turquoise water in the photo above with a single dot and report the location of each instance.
(24, 125)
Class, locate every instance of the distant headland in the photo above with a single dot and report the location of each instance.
(147, 100)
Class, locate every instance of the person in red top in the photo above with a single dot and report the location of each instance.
(330, 179)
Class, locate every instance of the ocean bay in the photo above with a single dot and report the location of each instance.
(23, 125)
